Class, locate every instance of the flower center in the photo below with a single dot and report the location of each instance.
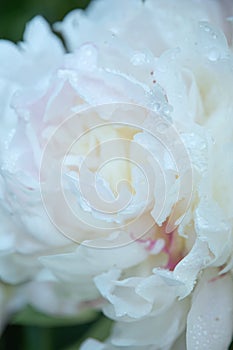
(95, 148)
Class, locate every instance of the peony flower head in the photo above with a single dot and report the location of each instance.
(116, 162)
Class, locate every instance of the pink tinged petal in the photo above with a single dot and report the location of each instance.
(209, 323)
(186, 271)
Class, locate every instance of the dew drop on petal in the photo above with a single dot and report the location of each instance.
(166, 112)
(214, 35)
(213, 54)
(162, 127)
(138, 59)
(205, 26)
(87, 56)
(156, 106)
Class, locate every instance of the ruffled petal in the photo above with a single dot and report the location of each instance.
(209, 323)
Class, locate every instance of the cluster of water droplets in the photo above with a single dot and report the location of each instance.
(212, 41)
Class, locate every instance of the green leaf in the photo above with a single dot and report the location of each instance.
(37, 338)
(100, 331)
(30, 316)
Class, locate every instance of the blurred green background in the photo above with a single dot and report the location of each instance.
(14, 14)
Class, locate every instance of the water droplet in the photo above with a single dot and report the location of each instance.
(213, 54)
(87, 50)
(214, 35)
(115, 30)
(167, 109)
(213, 140)
(26, 116)
(205, 26)
(87, 56)
(138, 59)
(162, 127)
(156, 106)
(202, 145)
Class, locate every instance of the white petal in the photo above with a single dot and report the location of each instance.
(159, 331)
(92, 344)
(134, 297)
(210, 320)
(41, 45)
(122, 295)
(212, 228)
(186, 271)
(91, 259)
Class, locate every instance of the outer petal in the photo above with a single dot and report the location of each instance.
(87, 260)
(21, 64)
(160, 331)
(103, 19)
(135, 297)
(209, 324)
(186, 272)
(214, 230)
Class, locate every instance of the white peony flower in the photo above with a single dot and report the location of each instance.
(116, 162)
